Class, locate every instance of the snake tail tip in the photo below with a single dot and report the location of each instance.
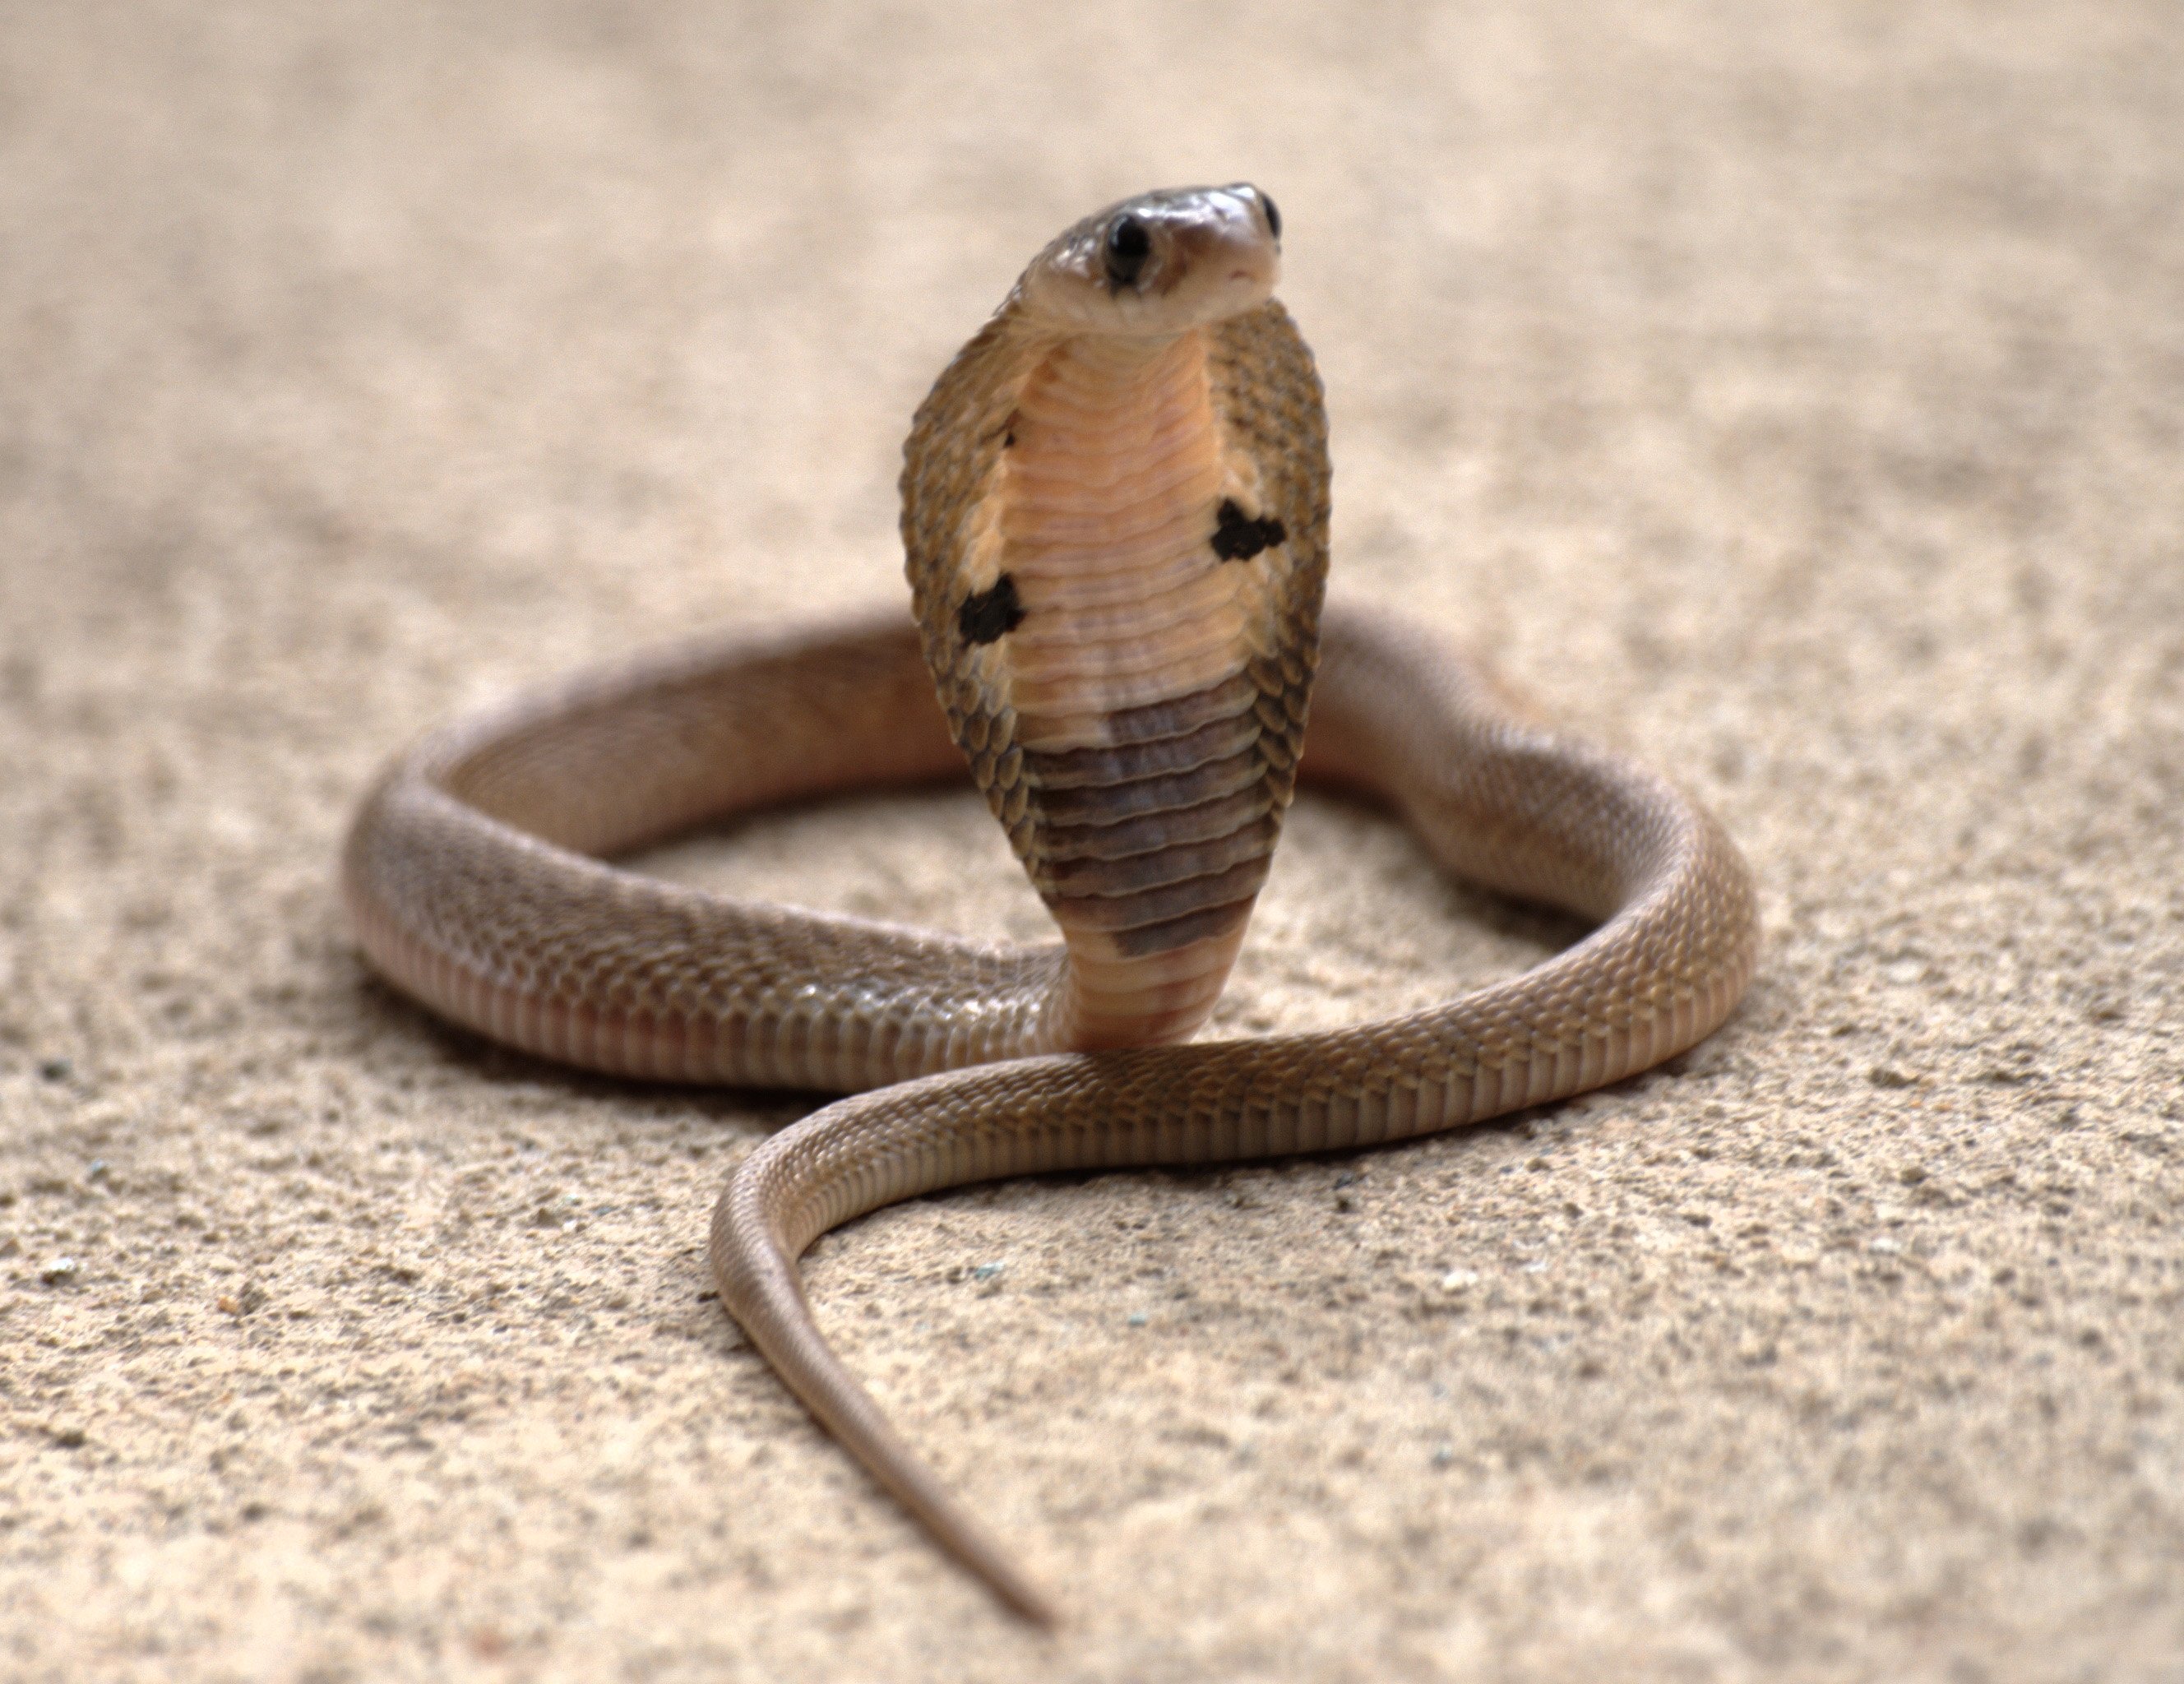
(1010, 1587)
(1034, 1610)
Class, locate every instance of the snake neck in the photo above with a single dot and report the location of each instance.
(1115, 629)
(1120, 677)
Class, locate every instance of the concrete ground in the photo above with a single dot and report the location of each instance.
(1794, 396)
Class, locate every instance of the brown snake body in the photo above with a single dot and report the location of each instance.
(1115, 511)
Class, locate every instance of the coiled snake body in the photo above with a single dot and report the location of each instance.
(1115, 512)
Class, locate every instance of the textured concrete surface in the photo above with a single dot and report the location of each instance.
(1794, 396)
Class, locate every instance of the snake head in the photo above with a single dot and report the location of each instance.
(1158, 264)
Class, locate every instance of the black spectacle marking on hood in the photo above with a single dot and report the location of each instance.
(984, 617)
(1239, 537)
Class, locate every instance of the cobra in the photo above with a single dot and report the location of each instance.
(1115, 511)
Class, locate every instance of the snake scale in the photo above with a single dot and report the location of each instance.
(1115, 512)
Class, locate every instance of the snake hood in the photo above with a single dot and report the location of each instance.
(1115, 510)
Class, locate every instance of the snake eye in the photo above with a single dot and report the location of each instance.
(1274, 217)
(1129, 242)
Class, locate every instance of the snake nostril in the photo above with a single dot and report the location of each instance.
(1129, 242)
(1273, 216)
